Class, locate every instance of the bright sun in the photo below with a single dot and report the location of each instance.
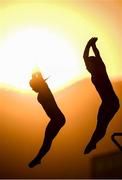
(28, 48)
(52, 37)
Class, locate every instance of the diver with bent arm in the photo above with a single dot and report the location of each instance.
(57, 119)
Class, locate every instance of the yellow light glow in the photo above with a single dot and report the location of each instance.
(25, 49)
(52, 35)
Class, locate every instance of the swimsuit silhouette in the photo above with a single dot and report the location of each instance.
(110, 102)
(57, 119)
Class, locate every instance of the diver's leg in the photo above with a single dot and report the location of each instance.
(106, 112)
(52, 130)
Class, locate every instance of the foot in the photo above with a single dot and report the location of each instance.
(89, 148)
(34, 162)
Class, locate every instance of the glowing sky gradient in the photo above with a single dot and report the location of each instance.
(70, 24)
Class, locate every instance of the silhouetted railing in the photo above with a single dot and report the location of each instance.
(115, 141)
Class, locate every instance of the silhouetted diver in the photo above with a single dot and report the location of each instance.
(110, 102)
(57, 119)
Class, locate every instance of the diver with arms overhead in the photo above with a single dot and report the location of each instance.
(110, 102)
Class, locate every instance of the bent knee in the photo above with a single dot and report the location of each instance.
(59, 120)
(116, 104)
(62, 120)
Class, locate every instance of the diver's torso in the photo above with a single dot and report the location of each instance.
(46, 99)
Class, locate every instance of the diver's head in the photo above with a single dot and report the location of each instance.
(35, 84)
(36, 81)
(92, 58)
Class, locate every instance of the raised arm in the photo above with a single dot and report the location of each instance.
(86, 51)
(96, 51)
(90, 43)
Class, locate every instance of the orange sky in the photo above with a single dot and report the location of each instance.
(23, 121)
(73, 23)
